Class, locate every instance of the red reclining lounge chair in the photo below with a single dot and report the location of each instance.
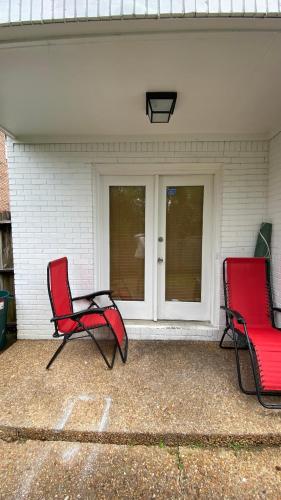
(250, 317)
(67, 322)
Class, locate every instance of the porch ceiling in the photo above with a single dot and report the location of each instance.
(228, 82)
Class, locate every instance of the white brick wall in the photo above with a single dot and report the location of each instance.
(52, 207)
(274, 215)
(244, 207)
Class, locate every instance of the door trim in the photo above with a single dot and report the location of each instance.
(145, 168)
(155, 247)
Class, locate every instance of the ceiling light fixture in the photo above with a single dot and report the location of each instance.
(160, 106)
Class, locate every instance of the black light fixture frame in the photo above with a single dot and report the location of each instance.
(161, 95)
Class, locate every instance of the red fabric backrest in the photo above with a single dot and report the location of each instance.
(59, 289)
(247, 290)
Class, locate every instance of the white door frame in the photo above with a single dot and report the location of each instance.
(144, 168)
(198, 311)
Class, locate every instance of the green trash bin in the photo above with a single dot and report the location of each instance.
(4, 301)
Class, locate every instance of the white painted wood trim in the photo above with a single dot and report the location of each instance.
(155, 249)
(216, 257)
(245, 140)
(168, 168)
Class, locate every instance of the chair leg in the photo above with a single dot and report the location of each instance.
(56, 353)
(225, 332)
(125, 355)
(258, 392)
(108, 363)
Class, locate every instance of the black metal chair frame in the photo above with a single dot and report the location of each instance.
(235, 335)
(76, 316)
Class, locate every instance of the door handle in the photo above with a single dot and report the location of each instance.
(160, 260)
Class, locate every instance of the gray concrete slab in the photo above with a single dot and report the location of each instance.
(65, 471)
(230, 473)
(36, 470)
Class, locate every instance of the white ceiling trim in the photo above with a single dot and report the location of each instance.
(175, 138)
(48, 11)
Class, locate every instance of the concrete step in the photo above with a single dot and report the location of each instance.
(12, 434)
(171, 330)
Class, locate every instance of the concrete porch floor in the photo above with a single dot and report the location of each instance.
(169, 424)
(178, 393)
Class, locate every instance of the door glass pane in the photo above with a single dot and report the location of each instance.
(127, 241)
(184, 222)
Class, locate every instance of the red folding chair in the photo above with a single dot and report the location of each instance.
(250, 318)
(67, 322)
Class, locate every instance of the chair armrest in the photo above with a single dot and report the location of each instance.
(90, 296)
(234, 314)
(78, 314)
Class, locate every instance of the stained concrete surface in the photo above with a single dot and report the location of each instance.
(181, 392)
(34, 470)
(168, 393)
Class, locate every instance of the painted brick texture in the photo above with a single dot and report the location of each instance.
(274, 214)
(53, 207)
(4, 182)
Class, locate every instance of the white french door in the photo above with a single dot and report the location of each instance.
(156, 245)
(184, 247)
(127, 243)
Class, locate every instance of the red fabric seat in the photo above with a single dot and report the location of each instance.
(247, 293)
(267, 344)
(95, 321)
(89, 321)
(114, 318)
(265, 336)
